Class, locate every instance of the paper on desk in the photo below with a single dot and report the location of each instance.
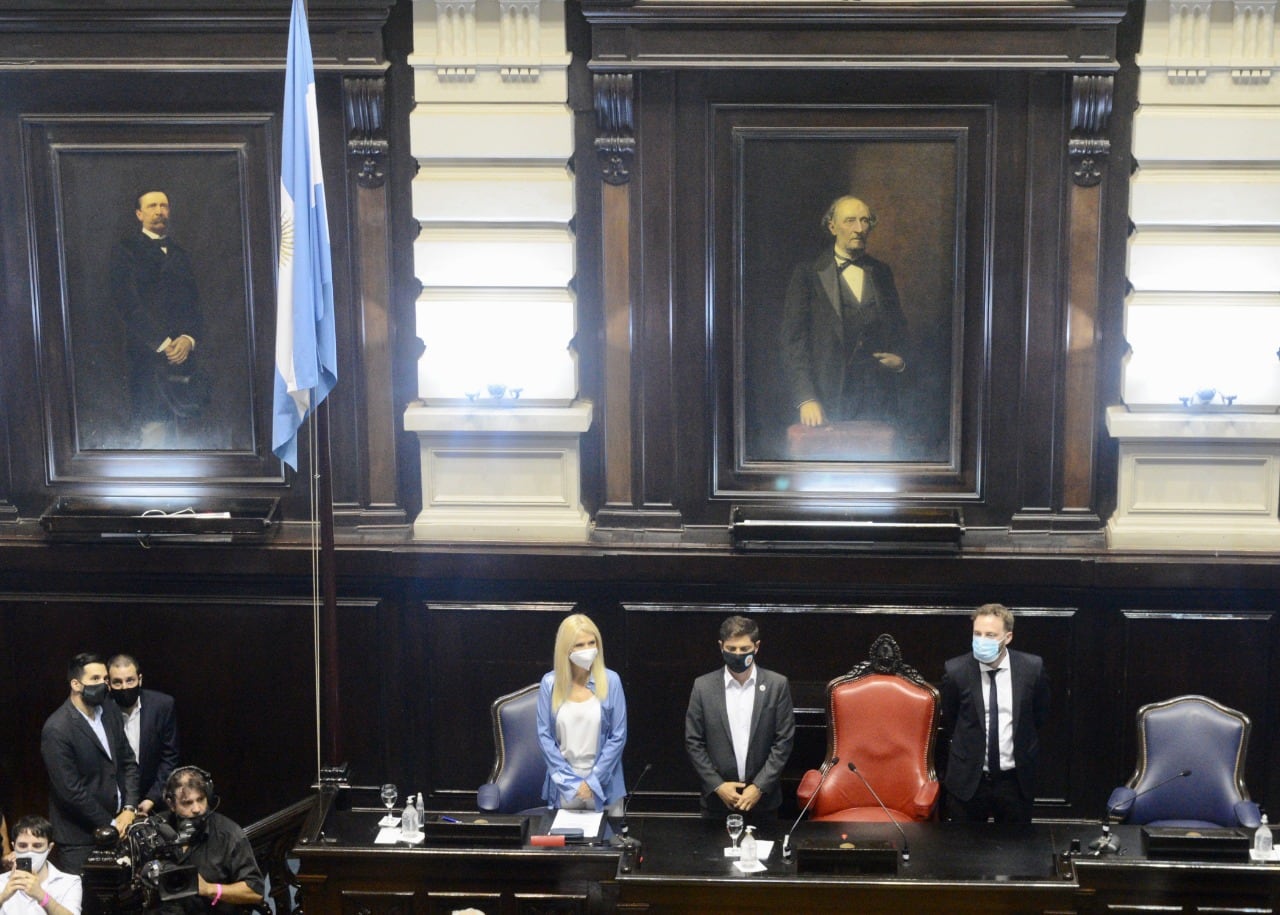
(391, 835)
(586, 820)
(389, 820)
(754, 867)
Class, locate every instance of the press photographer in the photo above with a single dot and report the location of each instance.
(226, 874)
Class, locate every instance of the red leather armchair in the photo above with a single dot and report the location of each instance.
(882, 717)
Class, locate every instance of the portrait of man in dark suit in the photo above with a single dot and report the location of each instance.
(848, 303)
(739, 728)
(843, 331)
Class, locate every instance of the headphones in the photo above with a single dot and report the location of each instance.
(204, 780)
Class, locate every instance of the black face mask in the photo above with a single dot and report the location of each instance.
(94, 695)
(126, 698)
(738, 663)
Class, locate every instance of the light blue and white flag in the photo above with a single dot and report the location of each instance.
(306, 344)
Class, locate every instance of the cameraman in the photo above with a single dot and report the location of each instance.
(34, 886)
(228, 874)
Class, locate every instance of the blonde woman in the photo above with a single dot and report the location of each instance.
(582, 723)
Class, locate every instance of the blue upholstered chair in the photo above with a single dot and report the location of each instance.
(1188, 734)
(515, 784)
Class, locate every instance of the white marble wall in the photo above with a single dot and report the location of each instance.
(1205, 259)
(493, 136)
(1204, 263)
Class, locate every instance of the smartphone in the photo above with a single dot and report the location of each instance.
(22, 864)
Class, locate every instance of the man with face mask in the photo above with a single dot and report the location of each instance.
(739, 728)
(150, 724)
(93, 776)
(993, 777)
(35, 886)
(228, 874)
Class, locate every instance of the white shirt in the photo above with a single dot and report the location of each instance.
(854, 276)
(739, 702)
(133, 727)
(578, 733)
(1004, 698)
(63, 888)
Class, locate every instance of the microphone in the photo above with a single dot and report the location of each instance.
(906, 850)
(1109, 844)
(624, 830)
(826, 768)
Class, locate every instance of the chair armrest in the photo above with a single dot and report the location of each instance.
(808, 785)
(925, 801)
(1120, 804)
(1247, 814)
(489, 798)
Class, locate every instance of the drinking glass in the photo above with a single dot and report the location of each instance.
(389, 795)
(733, 823)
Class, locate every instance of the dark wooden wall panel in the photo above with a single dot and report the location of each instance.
(239, 669)
(1224, 655)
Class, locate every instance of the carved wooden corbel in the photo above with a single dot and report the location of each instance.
(615, 143)
(1091, 98)
(365, 101)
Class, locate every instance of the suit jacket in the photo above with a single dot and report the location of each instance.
(814, 349)
(709, 743)
(157, 744)
(964, 720)
(83, 780)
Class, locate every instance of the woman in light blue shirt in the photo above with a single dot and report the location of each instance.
(582, 723)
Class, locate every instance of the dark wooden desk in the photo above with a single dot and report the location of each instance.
(342, 872)
(681, 868)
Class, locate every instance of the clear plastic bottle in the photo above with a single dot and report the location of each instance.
(422, 813)
(1262, 838)
(748, 854)
(409, 821)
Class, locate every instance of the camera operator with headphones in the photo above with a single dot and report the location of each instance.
(228, 874)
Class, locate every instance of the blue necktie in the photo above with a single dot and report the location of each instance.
(993, 729)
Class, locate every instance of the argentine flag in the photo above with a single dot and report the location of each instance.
(306, 345)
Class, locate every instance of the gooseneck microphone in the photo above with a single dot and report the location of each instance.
(1109, 844)
(826, 767)
(624, 830)
(906, 850)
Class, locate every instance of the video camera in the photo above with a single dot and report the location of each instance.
(150, 849)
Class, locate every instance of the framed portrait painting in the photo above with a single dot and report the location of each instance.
(154, 269)
(849, 299)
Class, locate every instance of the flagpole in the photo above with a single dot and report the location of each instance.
(332, 703)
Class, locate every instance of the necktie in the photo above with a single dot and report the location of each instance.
(993, 728)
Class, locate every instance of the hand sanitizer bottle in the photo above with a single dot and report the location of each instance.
(409, 821)
(1262, 839)
(748, 854)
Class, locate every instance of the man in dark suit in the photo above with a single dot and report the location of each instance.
(151, 726)
(842, 327)
(93, 777)
(153, 288)
(993, 778)
(739, 728)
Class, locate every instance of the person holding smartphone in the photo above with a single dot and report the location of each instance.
(35, 886)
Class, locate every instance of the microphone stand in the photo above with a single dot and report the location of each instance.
(624, 839)
(786, 840)
(1107, 844)
(906, 851)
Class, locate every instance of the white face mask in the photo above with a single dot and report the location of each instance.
(38, 858)
(584, 657)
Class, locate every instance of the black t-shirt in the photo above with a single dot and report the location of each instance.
(221, 854)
